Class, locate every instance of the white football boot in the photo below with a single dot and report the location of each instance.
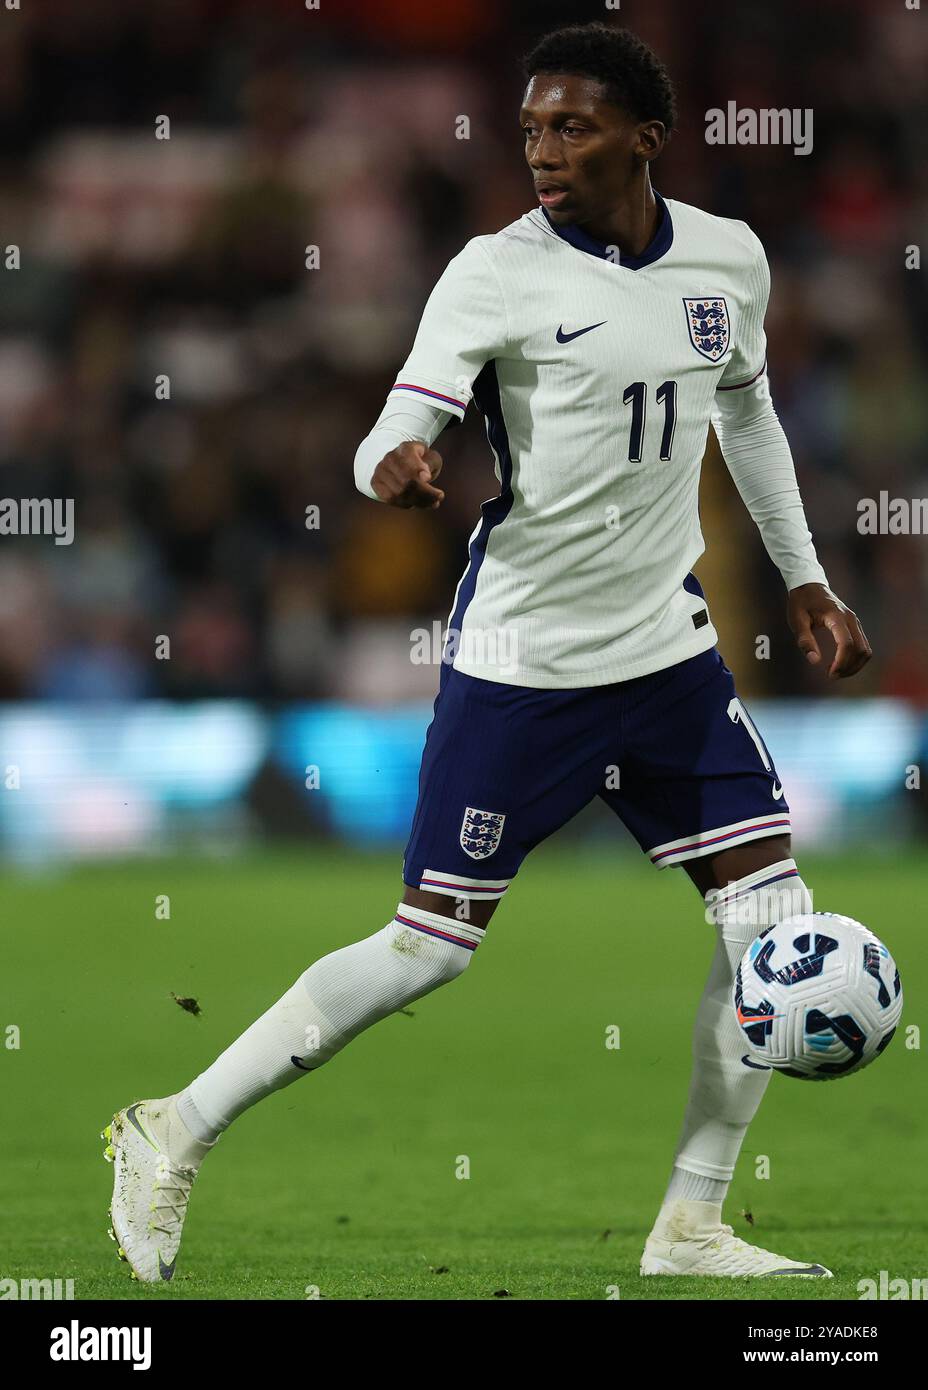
(156, 1160)
(688, 1238)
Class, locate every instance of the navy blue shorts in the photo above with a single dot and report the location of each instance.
(674, 754)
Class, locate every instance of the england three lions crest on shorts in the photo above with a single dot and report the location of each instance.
(481, 832)
(707, 320)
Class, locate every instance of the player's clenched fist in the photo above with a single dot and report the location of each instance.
(403, 477)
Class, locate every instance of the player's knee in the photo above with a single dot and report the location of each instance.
(468, 911)
(431, 943)
(731, 865)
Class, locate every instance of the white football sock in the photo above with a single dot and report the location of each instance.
(693, 1187)
(337, 998)
(724, 1092)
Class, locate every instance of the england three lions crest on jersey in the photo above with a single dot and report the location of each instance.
(481, 832)
(708, 325)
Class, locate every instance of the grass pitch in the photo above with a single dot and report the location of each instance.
(346, 1184)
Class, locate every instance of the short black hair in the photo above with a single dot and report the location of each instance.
(633, 76)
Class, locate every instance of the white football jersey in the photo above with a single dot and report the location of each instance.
(596, 375)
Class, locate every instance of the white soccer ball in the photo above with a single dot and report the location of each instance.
(817, 996)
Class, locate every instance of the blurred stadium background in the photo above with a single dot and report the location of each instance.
(290, 646)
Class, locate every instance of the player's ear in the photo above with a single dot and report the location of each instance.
(651, 138)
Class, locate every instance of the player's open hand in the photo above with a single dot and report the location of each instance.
(403, 477)
(812, 606)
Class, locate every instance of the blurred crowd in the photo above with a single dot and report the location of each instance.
(175, 357)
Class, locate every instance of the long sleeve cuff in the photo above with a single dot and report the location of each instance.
(401, 419)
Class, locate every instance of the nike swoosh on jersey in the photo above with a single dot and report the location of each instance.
(777, 791)
(563, 337)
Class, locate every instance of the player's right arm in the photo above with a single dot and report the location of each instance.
(404, 477)
(463, 326)
(396, 463)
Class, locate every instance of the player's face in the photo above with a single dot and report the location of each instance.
(581, 149)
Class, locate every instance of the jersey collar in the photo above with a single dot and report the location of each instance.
(658, 246)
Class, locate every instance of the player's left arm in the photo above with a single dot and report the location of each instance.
(757, 454)
(814, 605)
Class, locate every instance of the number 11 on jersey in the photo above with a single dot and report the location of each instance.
(636, 395)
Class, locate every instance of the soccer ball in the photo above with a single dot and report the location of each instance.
(817, 996)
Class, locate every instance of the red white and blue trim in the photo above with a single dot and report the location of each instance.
(439, 398)
(740, 385)
(441, 928)
(722, 837)
(457, 886)
(766, 877)
(767, 895)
